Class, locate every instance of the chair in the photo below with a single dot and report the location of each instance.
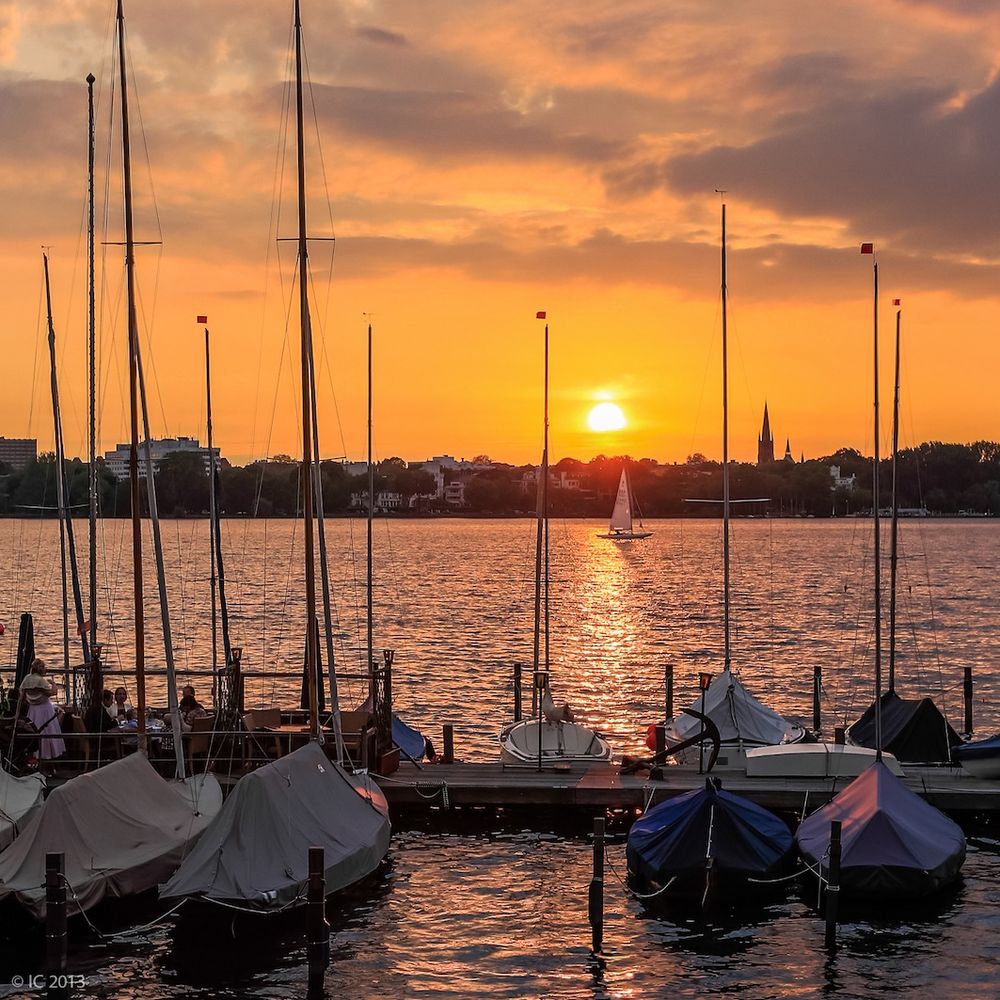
(262, 723)
(358, 730)
(199, 740)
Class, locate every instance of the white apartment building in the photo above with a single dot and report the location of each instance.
(117, 461)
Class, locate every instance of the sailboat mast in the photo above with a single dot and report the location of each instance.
(133, 457)
(893, 536)
(92, 364)
(877, 539)
(306, 352)
(727, 656)
(370, 632)
(545, 494)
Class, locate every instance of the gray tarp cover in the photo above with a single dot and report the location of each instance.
(257, 850)
(20, 798)
(122, 828)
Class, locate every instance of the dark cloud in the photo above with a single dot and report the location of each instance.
(909, 169)
(381, 36)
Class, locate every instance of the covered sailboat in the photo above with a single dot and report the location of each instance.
(914, 731)
(893, 843)
(622, 527)
(20, 798)
(299, 801)
(122, 828)
(706, 837)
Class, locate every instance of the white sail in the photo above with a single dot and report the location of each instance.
(621, 516)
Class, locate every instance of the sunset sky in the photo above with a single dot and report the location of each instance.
(486, 159)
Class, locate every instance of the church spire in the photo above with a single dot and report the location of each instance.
(765, 443)
(788, 451)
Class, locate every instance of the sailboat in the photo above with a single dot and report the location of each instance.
(894, 844)
(621, 528)
(743, 721)
(304, 799)
(552, 736)
(914, 730)
(122, 828)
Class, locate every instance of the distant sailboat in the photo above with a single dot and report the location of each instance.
(621, 528)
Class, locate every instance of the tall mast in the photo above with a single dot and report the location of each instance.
(727, 656)
(895, 519)
(545, 495)
(878, 547)
(312, 650)
(133, 345)
(371, 511)
(92, 364)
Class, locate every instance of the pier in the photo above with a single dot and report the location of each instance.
(602, 786)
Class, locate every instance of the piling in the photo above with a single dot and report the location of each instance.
(595, 902)
(449, 743)
(661, 741)
(55, 923)
(668, 687)
(517, 692)
(839, 737)
(833, 886)
(317, 928)
(967, 690)
(817, 689)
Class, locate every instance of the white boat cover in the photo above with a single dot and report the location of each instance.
(19, 799)
(256, 852)
(737, 714)
(814, 760)
(122, 828)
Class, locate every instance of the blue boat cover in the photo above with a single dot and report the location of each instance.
(678, 835)
(408, 740)
(890, 835)
(981, 749)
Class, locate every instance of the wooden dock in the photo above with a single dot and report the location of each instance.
(494, 785)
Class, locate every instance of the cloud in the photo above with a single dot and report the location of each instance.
(381, 36)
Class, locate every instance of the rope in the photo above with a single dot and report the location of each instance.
(628, 889)
(251, 910)
(119, 934)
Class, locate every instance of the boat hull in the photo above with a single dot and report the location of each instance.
(980, 759)
(625, 536)
(562, 742)
(732, 753)
(814, 760)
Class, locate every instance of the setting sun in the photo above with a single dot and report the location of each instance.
(606, 417)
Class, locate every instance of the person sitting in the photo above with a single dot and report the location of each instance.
(37, 690)
(100, 719)
(190, 708)
(122, 704)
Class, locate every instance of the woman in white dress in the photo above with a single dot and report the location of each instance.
(37, 690)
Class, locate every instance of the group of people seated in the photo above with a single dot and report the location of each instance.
(113, 713)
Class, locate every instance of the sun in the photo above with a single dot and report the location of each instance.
(606, 417)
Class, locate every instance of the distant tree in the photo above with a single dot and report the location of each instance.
(182, 484)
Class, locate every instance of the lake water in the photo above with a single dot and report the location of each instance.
(505, 911)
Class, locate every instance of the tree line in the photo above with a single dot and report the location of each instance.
(941, 478)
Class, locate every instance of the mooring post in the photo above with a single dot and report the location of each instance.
(55, 923)
(839, 736)
(817, 689)
(595, 902)
(967, 686)
(661, 741)
(668, 687)
(449, 743)
(833, 885)
(317, 928)
(517, 692)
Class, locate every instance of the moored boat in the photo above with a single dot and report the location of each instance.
(982, 758)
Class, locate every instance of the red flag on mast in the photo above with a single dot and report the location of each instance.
(868, 248)
(539, 315)
(896, 302)
(202, 319)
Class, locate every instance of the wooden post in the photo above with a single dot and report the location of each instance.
(967, 686)
(317, 928)
(595, 901)
(838, 736)
(661, 741)
(517, 692)
(449, 743)
(668, 687)
(55, 921)
(817, 689)
(833, 887)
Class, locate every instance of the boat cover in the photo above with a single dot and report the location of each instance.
(256, 852)
(122, 829)
(19, 799)
(893, 843)
(980, 750)
(408, 740)
(913, 731)
(737, 714)
(679, 834)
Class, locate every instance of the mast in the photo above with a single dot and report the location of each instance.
(92, 365)
(545, 500)
(133, 353)
(371, 511)
(895, 518)
(312, 650)
(727, 655)
(878, 549)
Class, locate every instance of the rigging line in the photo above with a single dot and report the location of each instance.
(147, 329)
(142, 130)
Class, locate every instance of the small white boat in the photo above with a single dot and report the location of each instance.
(814, 760)
(621, 528)
(562, 742)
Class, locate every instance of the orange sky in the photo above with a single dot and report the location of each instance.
(488, 159)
